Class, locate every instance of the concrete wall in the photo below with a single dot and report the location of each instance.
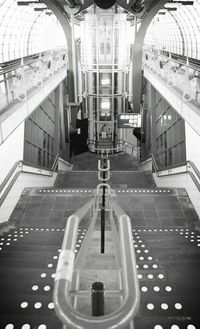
(181, 181)
(192, 145)
(11, 151)
(24, 180)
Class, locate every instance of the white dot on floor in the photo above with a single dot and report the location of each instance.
(51, 306)
(150, 306)
(26, 326)
(9, 326)
(38, 305)
(35, 287)
(178, 306)
(164, 306)
(24, 304)
(47, 288)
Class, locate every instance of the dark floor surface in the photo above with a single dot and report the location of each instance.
(167, 248)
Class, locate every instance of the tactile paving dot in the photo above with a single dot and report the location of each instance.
(178, 306)
(164, 306)
(9, 326)
(24, 304)
(26, 326)
(35, 287)
(150, 306)
(37, 305)
(51, 306)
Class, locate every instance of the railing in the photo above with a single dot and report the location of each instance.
(185, 167)
(177, 73)
(130, 146)
(21, 76)
(21, 166)
(68, 268)
(122, 146)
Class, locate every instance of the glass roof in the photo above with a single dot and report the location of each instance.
(177, 31)
(24, 31)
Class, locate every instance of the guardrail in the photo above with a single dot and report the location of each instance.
(21, 166)
(68, 268)
(20, 76)
(185, 167)
(179, 74)
(122, 145)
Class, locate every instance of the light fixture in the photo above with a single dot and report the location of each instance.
(105, 82)
(105, 105)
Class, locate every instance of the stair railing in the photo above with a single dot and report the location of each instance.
(14, 173)
(185, 167)
(67, 313)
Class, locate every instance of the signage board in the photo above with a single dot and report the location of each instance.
(129, 120)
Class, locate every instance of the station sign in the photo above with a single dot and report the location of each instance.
(129, 120)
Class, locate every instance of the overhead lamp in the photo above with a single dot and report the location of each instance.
(26, 3)
(184, 3)
(105, 4)
(105, 105)
(105, 82)
(172, 5)
(171, 8)
(40, 9)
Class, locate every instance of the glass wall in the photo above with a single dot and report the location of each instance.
(164, 130)
(40, 135)
(176, 28)
(25, 31)
(170, 135)
(105, 72)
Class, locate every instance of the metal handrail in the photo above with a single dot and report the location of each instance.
(119, 318)
(10, 181)
(188, 164)
(106, 150)
(14, 64)
(9, 175)
(181, 59)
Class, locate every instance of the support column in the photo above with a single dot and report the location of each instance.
(57, 132)
(64, 21)
(138, 52)
(62, 120)
(74, 59)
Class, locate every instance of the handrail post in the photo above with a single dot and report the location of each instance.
(97, 299)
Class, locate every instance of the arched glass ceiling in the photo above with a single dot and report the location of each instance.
(24, 31)
(177, 31)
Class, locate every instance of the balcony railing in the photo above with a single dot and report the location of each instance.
(178, 73)
(19, 77)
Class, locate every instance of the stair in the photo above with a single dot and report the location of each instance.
(165, 236)
(100, 267)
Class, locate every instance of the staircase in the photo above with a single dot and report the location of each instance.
(167, 247)
(103, 268)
